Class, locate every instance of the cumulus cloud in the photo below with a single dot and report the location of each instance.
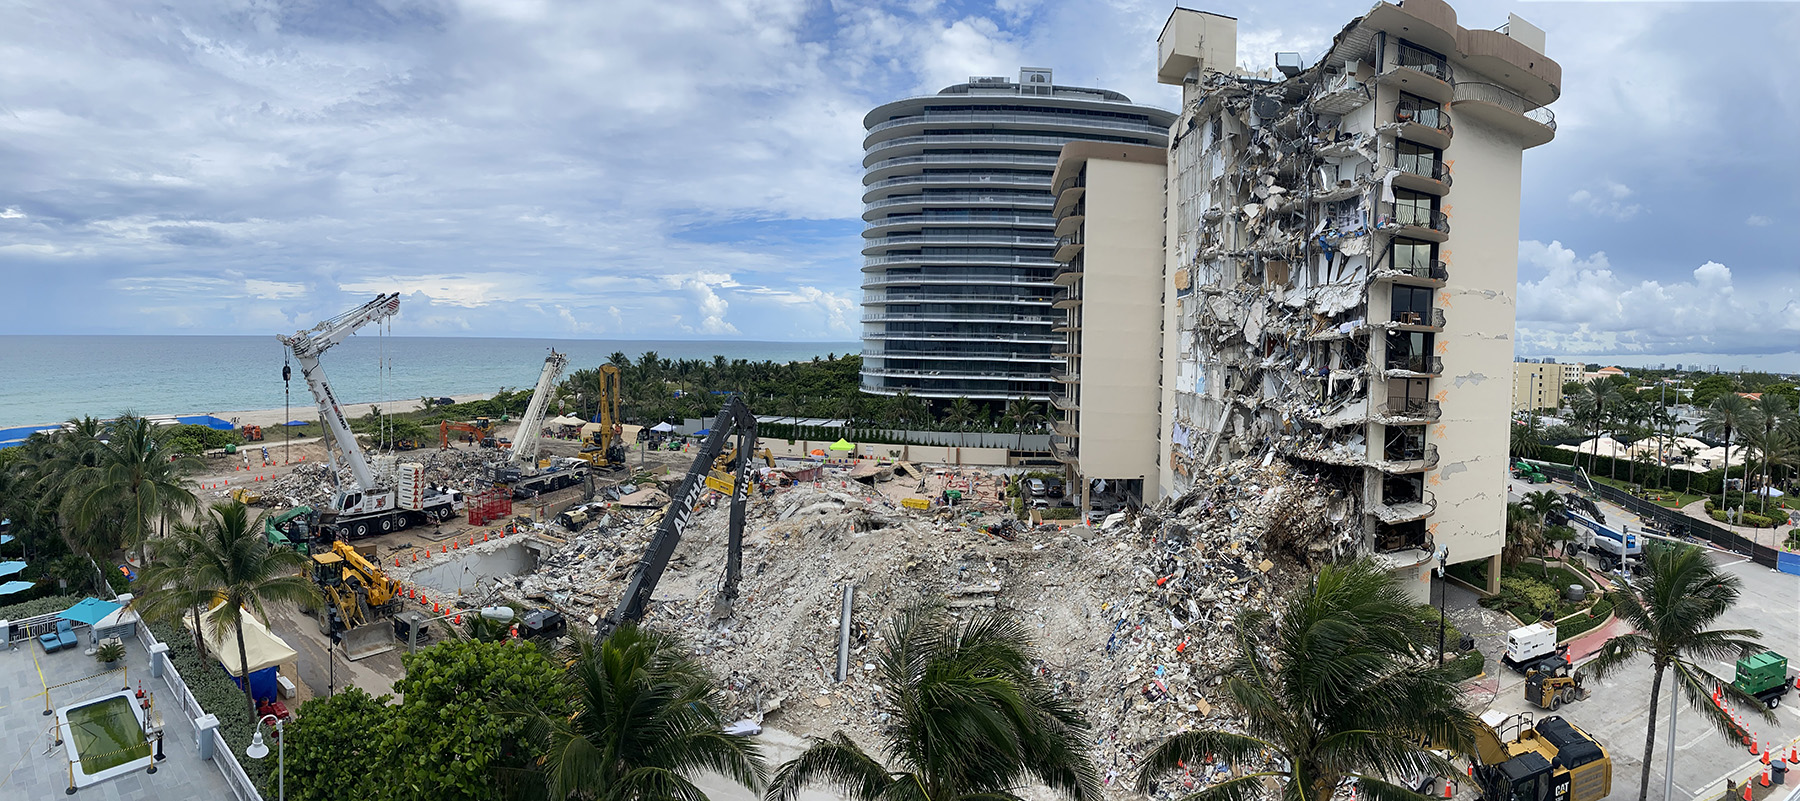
(1757, 221)
(1608, 201)
(1569, 304)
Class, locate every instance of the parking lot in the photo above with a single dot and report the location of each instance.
(1616, 712)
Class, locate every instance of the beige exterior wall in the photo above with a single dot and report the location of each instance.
(1121, 311)
(1537, 386)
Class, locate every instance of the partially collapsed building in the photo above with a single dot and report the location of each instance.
(1328, 295)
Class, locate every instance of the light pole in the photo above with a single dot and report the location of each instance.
(258, 750)
(1443, 555)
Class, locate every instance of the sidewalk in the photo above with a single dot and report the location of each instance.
(1589, 644)
(1760, 536)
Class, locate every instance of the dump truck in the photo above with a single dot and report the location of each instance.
(1765, 676)
(1551, 761)
(1531, 647)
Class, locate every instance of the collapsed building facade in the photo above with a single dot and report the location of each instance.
(1315, 302)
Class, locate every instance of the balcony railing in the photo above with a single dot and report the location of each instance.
(1011, 355)
(961, 178)
(1070, 183)
(982, 239)
(889, 279)
(1423, 218)
(1429, 365)
(1409, 409)
(1021, 198)
(949, 258)
(907, 297)
(1052, 119)
(981, 317)
(1076, 210)
(1388, 540)
(970, 139)
(1507, 99)
(1432, 270)
(1436, 66)
(1435, 169)
(1408, 458)
(963, 158)
(1434, 319)
(972, 336)
(1428, 117)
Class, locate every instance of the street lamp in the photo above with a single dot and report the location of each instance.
(258, 750)
(1443, 555)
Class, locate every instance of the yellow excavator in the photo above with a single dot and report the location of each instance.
(606, 451)
(356, 593)
(1552, 760)
(724, 467)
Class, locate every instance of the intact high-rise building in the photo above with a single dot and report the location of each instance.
(1342, 262)
(958, 271)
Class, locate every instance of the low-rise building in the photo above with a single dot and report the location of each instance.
(1537, 386)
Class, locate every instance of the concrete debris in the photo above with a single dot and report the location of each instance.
(1134, 620)
(311, 483)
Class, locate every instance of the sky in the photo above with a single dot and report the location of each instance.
(654, 169)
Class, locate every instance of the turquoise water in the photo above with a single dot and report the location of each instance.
(46, 379)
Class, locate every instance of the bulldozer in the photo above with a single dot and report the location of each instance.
(1552, 760)
(1553, 684)
(246, 496)
(356, 593)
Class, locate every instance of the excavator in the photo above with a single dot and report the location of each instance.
(607, 452)
(476, 433)
(356, 592)
(734, 420)
(724, 467)
(522, 473)
(1552, 760)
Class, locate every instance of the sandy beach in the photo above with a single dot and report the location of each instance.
(307, 411)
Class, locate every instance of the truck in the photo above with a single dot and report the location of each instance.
(1553, 760)
(1618, 549)
(369, 504)
(1765, 676)
(522, 473)
(1532, 647)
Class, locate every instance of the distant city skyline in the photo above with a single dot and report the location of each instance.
(653, 170)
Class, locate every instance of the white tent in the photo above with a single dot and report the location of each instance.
(662, 428)
(566, 420)
(1605, 446)
(263, 649)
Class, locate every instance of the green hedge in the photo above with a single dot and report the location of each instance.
(39, 606)
(1575, 627)
(217, 694)
(1468, 666)
(1747, 518)
(1060, 513)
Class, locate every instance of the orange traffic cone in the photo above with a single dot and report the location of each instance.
(1746, 791)
(1765, 758)
(396, 561)
(1754, 749)
(416, 556)
(455, 546)
(1448, 788)
(1792, 756)
(459, 620)
(436, 610)
(484, 536)
(1764, 781)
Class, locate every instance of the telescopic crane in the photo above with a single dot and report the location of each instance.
(734, 419)
(370, 506)
(521, 471)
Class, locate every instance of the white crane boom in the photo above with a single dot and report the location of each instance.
(528, 438)
(308, 345)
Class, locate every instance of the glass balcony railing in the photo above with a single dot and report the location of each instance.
(1409, 409)
(948, 217)
(951, 258)
(1049, 118)
(1013, 279)
(964, 159)
(1020, 199)
(969, 139)
(956, 238)
(1070, 183)
(962, 178)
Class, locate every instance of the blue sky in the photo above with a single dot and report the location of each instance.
(654, 169)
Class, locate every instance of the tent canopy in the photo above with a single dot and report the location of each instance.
(842, 445)
(294, 423)
(89, 611)
(9, 568)
(567, 420)
(263, 649)
(15, 586)
(662, 428)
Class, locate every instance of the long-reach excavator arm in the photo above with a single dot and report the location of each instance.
(734, 419)
(308, 345)
(526, 441)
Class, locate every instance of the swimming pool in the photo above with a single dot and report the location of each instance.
(104, 737)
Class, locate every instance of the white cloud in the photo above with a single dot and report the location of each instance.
(11, 214)
(274, 290)
(1757, 221)
(1580, 305)
(708, 306)
(1608, 201)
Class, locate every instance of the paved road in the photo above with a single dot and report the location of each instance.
(1616, 713)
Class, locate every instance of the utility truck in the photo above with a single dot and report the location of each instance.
(369, 505)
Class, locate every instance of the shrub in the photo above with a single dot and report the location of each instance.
(1061, 513)
(194, 439)
(40, 606)
(1528, 596)
(1793, 539)
(216, 693)
(1468, 665)
(1577, 626)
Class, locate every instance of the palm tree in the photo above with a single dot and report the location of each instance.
(226, 558)
(849, 409)
(173, 589)
(1687, 458)
(1527, 438)
(1728, 413)
(1524, 535)
(908, 409)
(1770, 415)
(1670, 609)
(1597, 393)
(135, 467)
(959, 416)
(1333, 687)
(1022, 415)
(642, 713)
(971, 720)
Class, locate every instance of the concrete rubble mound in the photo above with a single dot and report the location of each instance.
(1133, 618)
(311, 483)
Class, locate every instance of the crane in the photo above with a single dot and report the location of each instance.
(369, 506)
(734, 419)
(607, 451)
(521, 472)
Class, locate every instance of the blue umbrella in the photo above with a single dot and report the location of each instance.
(89, 611)
(9, 568)
(15, 586)
(5, 538)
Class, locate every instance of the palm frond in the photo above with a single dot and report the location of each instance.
(835, 762)
(1195, 748)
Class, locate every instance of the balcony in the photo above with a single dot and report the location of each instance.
(1409, 459)
(938, 218)
(1052, 144)
(1427, 126)
(1062, 428)
(888, 187)
(1406, 366)
(1063, 449)
(1067, 274)
(877, 245)
(1420, 72)
(1338, 94)
(878, 280)
(1419, 321)
(876, 298)
(1069, 218)
(1416, 223)
(952, 259)
(1066, 303)
(1048, 119)
(1390, 538)
(1424, 273)
(1394, 511)
(1408, 412)
(921, 201)
(877, 351)
(956, 317)
(1066, 402)
(1506, 110)
(983, 337)
(973, 375)
(1068, 247)
(1428, 175)
(887, 168)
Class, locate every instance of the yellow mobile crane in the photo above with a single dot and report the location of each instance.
(606, 449)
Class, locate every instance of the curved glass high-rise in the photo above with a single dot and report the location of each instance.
(961, 227)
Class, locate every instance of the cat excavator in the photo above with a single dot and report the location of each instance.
(734, 421)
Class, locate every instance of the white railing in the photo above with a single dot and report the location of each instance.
(241, 786)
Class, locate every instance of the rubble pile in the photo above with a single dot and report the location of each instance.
(311, 483)
(1133, 619)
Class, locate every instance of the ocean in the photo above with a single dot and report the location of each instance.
(48, 379)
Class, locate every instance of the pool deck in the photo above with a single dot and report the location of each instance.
(27, 771)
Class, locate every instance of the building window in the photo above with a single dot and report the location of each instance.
(1413, 108)
(1409, 488)
(1414, 208)
(1411, 305)
(1431, 63)
(1412, 256)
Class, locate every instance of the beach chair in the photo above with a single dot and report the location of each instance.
(62, 637)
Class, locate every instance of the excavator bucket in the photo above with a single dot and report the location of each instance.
(363, 642)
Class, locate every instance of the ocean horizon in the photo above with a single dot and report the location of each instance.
(50, 378)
